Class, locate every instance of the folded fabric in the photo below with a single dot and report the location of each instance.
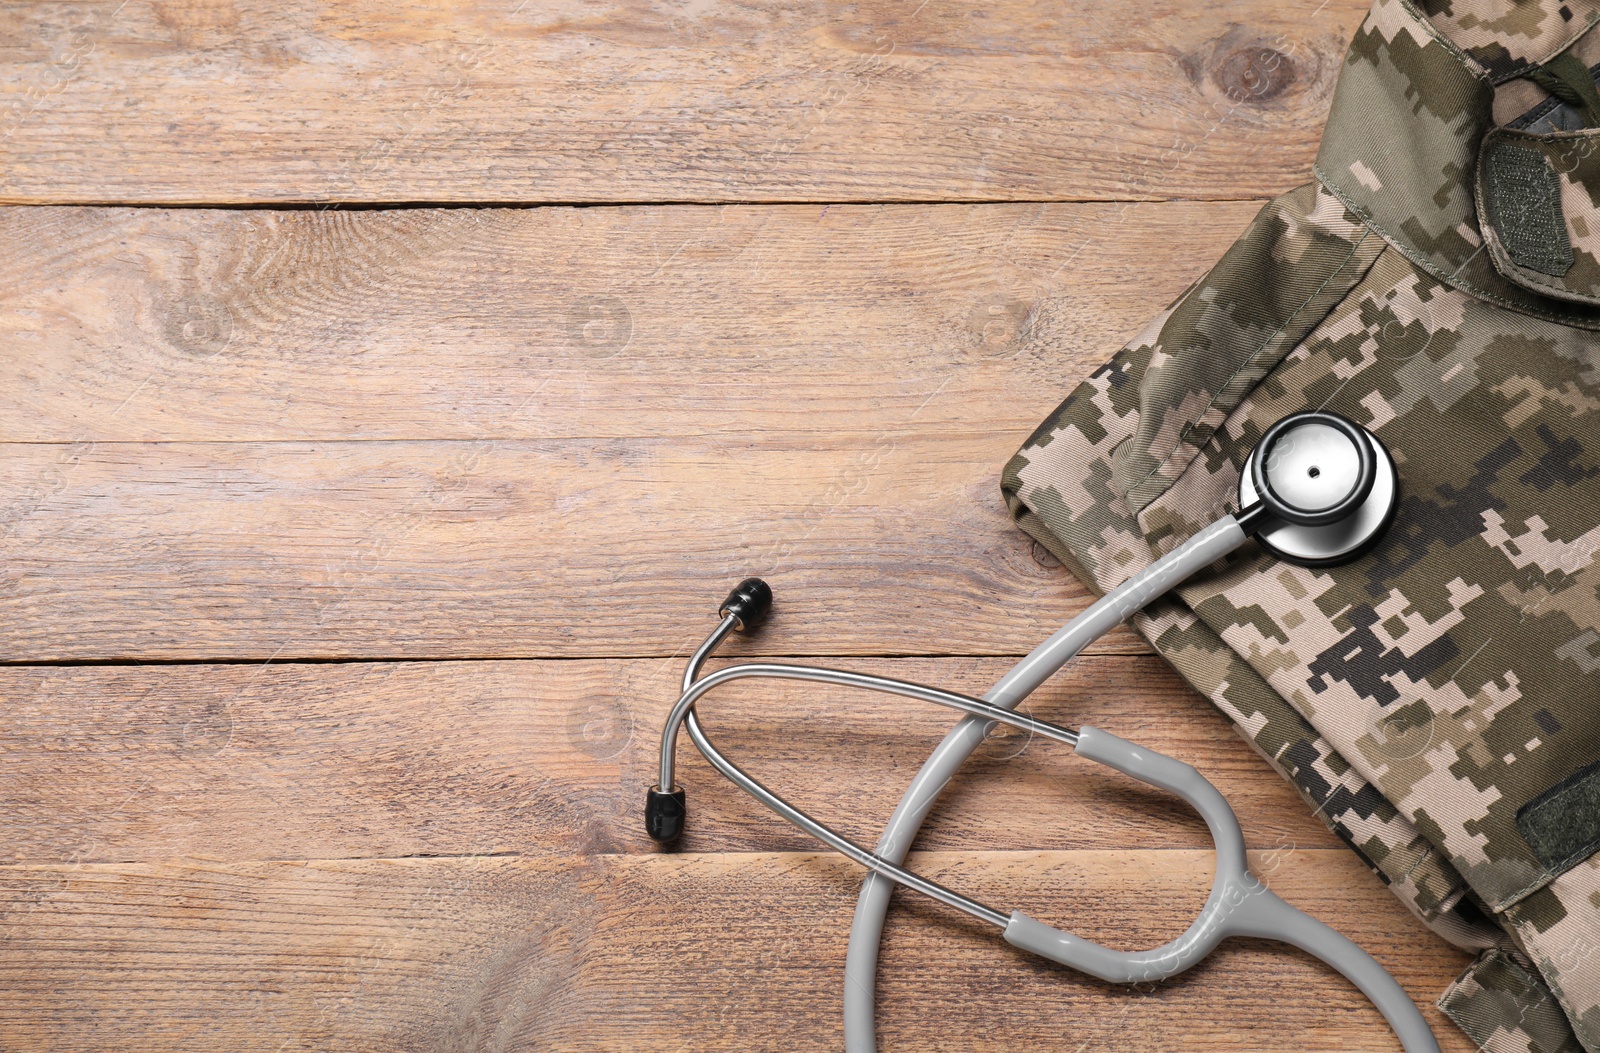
(1435, 702)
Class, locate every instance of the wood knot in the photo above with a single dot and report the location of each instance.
(1254, 73)
(1242, 66)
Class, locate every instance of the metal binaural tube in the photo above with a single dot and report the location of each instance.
(820, 831)
(666, 805)
(691, 672)
(836, 841)
(818, 674)
(683, 713)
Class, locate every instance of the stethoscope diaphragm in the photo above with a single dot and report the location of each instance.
(1329, 489)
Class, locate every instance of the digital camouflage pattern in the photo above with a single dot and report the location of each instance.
(1505, 1009)
(1435, 701)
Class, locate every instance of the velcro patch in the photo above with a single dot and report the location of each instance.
(1523, 194)
(1562, 825)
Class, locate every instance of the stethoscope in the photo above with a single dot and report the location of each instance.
(1317, 491)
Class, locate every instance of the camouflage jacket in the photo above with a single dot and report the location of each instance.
(1437, 702)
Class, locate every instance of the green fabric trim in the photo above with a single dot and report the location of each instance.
(1568, 79)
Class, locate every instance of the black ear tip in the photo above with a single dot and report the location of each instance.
(750, 601)
(664, 811)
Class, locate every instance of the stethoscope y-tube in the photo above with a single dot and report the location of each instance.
(1307, 466)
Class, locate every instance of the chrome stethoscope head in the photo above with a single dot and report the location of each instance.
(1317, 490)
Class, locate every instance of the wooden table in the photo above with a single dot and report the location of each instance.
(351, 541)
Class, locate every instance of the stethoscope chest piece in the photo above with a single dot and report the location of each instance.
(1331, 488)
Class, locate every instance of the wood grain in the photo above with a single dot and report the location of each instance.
(243, 101)
(712, 952)
(219, 325)
(876, 543)
(456, 758)
(816, 360)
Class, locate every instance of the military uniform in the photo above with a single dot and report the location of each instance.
(1436, 702)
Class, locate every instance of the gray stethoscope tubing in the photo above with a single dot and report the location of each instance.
(1239, 905)
(861, 961)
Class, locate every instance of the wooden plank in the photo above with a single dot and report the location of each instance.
(234, 101)
(876, 543)
(164, 325)
(104, 364)
(665, 953)
(455, 758)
